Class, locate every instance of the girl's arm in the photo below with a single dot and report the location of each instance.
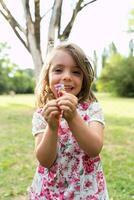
(89, 137)
(46, 147)
(46, 143)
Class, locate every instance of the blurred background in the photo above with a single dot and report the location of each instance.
(104, 29)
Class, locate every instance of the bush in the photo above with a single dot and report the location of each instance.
(23, 82)
(118, 77)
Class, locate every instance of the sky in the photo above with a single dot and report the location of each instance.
(96, 26)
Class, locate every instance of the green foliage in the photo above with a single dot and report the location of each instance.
(108, 53)
(5, 69)
(112, 49)
(11, 77)
(23, 81)
(118, 76)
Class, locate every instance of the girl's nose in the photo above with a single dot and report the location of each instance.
(67, 76)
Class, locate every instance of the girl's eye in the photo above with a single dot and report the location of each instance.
(58, 70)
(77, 73)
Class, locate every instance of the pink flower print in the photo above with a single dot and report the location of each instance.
(76, 150)
(54, 168)
(77, 188)
(68, 154)
(61, 184)
(65, 138)
(87, 184)
(86, 117)
(100, 180)
(88, 164)
(39, 110)
(36, 197)
(84, 105)
(44, 192)
(41, 169)
(51, 183)
(51, 175)
(75, 166)
(97, 159)
(61, 196)
(47, 194)
(99, 175)
(91, 197)
(74, 181)
(55, 195)
(71, 195)
(62, 130)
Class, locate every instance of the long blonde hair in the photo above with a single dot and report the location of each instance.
(42, 90)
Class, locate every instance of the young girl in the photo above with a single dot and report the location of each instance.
(68, 130)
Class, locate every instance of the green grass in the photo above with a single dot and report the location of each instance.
(17, 161)
(16, 145)
(117, 155)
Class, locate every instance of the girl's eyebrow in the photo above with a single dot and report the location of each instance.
(76, 66)
(62, 65)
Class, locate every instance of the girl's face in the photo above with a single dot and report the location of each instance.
(64, 70)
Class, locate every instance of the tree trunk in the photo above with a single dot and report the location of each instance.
(33, 36)
(54, 25)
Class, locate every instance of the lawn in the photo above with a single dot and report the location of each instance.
(17, 161)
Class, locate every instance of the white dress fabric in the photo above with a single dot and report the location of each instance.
(74, 175)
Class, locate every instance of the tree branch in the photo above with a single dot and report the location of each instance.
(8, 15)
(88, 3)
(19, 30)
(47, 12)
(37, 22)
(69, 26)
(30, 32)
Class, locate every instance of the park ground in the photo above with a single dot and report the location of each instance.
(17, 160)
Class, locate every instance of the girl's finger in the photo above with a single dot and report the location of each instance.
(66, 104)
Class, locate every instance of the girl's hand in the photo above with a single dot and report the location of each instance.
(68, 104)
(51, 113)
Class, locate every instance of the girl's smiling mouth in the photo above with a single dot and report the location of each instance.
(68, 88)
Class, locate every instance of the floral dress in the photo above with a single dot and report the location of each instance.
(74, 175)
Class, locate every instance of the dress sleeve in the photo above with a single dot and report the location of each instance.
(38, 123)
(96, 113)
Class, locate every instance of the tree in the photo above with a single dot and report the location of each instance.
(30, 35)
(6, 67)
(95, 63)
(11, 77)
(131, 47)
(104, 57)
(117, 76)
(112, 49)
(108, 53)
(131, 22)
(23, 81)
(131, 30)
